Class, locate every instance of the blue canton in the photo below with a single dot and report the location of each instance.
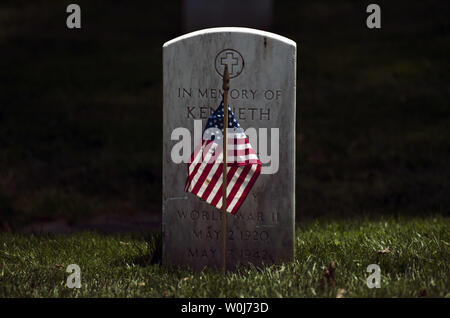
(214, 126)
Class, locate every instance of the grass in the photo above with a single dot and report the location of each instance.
(116, 265)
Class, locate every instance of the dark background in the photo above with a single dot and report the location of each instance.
(81, 110)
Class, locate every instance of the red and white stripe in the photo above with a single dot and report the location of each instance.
(206, 168)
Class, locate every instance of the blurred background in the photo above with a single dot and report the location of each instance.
(81, 110)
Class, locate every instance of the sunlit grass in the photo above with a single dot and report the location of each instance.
(117, 265)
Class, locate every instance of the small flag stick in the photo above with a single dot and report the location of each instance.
(225, 87)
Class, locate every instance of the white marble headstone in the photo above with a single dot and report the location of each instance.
(262, 95)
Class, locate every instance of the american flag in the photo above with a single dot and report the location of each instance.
(206, 165)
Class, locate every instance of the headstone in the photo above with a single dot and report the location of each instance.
(262, 96)
(199, 14)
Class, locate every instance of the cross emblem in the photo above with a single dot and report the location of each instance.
(229, 60)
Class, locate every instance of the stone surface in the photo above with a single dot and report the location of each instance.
(262, 96)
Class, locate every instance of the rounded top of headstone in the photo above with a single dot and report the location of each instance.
(232, 30)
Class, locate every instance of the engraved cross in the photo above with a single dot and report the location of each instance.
(230, 60)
